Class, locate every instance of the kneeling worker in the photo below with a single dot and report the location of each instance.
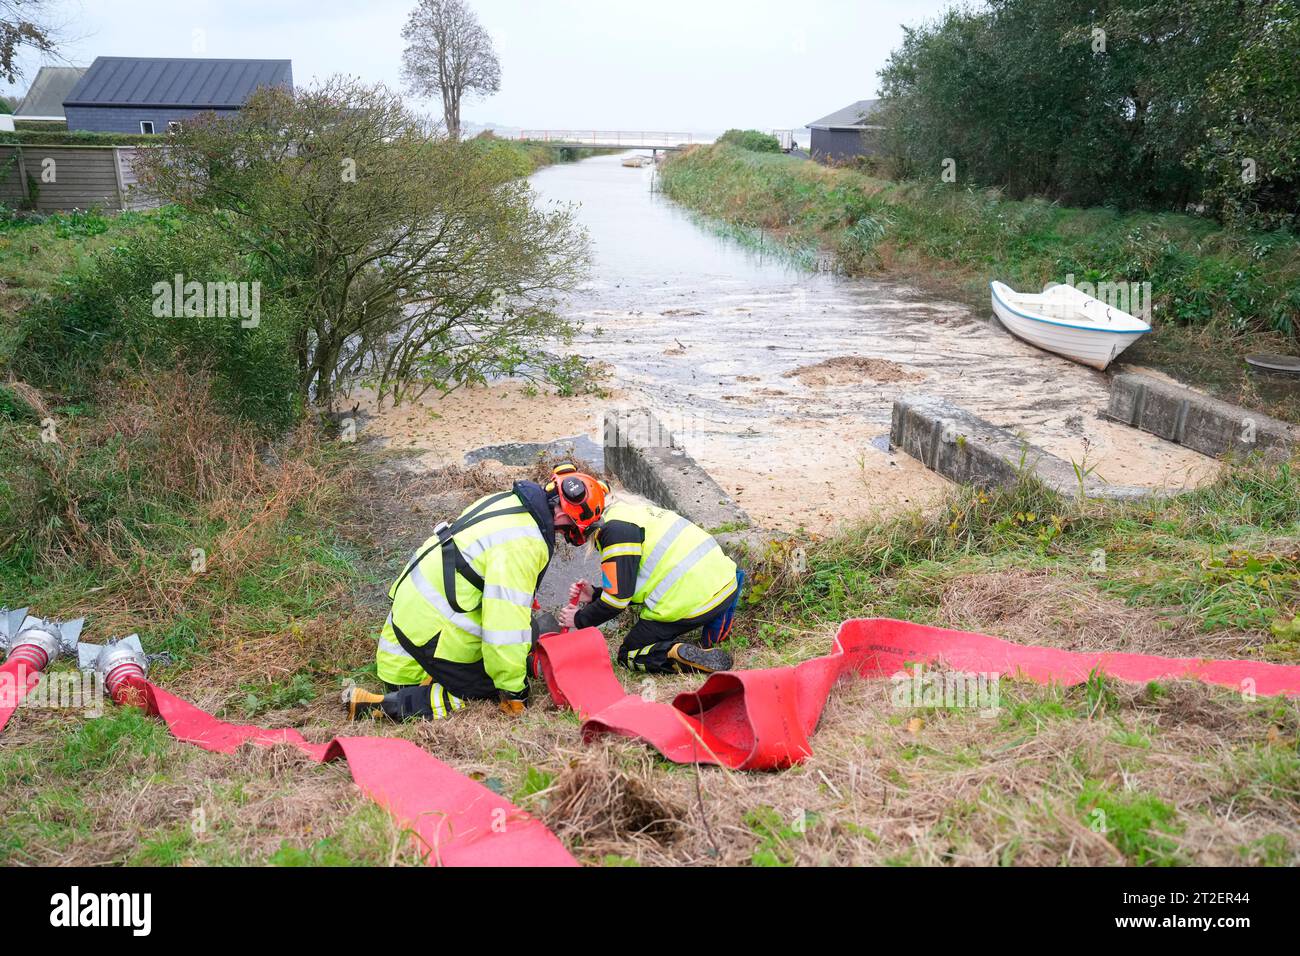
(676, 572)
(460, 628)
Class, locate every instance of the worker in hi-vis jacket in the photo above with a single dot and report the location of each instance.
(678, 575)
(460, 627)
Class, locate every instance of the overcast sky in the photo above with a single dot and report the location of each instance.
(608, 64)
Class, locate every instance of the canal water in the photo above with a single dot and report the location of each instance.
(778, 380)
(781, 381)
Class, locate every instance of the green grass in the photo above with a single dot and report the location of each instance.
(1139, 824)
(298, 691)
(1219, 555)
(39, 251)
(776, 837)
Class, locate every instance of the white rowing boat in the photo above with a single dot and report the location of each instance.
(1068, 322)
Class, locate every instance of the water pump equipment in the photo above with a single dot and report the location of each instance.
(118, 663)
(38, 642)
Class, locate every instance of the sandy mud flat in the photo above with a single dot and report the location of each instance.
(780, 382)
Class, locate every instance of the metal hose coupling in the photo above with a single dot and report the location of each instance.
(119, 664)
(37, 641)
(10, 623)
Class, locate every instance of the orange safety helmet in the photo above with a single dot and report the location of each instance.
(579, 496)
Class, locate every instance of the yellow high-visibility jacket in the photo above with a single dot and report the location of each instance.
(507, 541)
(680, 572)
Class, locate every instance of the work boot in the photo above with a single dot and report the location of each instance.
(362, 705)
(692, 657)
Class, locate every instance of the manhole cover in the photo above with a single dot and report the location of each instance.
(1275, 363)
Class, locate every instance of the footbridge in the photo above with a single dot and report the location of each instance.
(625, 139)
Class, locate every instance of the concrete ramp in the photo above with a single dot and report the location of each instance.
(641, 453)
(1199, 422)
(971, 451)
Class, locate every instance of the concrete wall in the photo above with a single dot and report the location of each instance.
(1189, 418)
(644, 457)
(126, 119)
(971, 451)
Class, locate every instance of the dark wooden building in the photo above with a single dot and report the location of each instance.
(847, 133)
(146, 95)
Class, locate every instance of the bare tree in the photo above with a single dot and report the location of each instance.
(23, 23)
(448, 54)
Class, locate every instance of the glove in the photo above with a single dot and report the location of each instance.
(512, 704)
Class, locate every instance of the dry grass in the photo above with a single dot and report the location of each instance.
(29, 396)
(885, 784)
(157, 801)
(1039, 607)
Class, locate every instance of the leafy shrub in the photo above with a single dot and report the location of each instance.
(31, 136)
(414, 261)
(109, 310)
(1133, 104)
(752, 140)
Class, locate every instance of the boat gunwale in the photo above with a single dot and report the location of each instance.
(1066, 325)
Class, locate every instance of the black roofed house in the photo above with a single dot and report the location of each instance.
(847, 133)
(44, 99)
(144, 95)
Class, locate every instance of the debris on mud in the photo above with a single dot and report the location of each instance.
(850, 369)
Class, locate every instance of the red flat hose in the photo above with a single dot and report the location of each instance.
(18, 675)
(456, 821)
(762, 719)
(746, 720)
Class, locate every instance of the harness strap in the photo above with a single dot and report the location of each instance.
(422, 655)
(453, 562)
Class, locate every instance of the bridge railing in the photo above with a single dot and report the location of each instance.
(628, 138)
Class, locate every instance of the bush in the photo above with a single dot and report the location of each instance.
(752, 140)
(415, 262)
(109, 311)
(44, 135)
(1250, 161)
(1133, 104)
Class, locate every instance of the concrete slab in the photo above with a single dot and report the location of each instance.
(1189, 418)
(969, 450)
(641, 453)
